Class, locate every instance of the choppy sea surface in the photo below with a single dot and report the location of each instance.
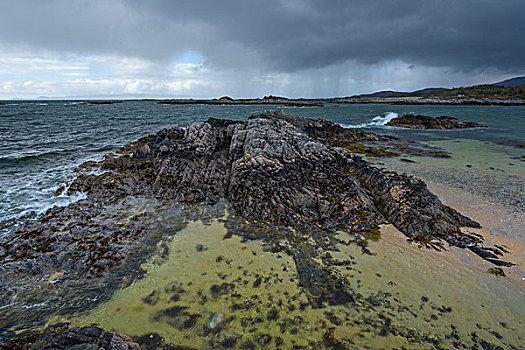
(41, 142)
(203, 273)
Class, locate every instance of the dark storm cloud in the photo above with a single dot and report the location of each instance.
(279, 35)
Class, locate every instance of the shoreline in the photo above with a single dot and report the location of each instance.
(458, 258)
(503, 220)
(321, 102)
(500, 225)
(432, 101)
(299, 102)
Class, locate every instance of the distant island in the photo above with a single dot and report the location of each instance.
(509, 92)
(266, 100)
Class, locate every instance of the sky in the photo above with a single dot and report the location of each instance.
(245, 48)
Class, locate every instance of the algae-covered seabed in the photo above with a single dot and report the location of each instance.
(404, 297)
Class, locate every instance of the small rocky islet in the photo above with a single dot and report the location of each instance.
(295, 183)
(416, 121)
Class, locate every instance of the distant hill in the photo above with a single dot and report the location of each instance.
(385, 94)
(518, 81)
(394, 94)
(510, 88)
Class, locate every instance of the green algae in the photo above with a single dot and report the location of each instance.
(177, 295)
(402, 297)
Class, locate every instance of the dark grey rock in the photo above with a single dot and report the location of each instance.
(274, 168)
(84, 338)
(423, 122)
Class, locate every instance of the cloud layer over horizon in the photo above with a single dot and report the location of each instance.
(163, 48)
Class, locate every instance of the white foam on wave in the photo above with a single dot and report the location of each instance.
(62, 200)
(380, 120)
(41, 205)
(45, 198)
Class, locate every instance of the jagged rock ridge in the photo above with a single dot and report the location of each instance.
(282, 170)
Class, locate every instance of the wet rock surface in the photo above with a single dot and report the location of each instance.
(281, 170)
(287, 176)
(92, 251)
(423, 122)
(84, 338)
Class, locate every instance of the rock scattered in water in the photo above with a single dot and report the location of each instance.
(200, 248)
(423, 122)
(226, 339)
(222, 289)
(496, 271)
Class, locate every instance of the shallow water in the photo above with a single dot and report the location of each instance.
(479, 167)
(404, 297)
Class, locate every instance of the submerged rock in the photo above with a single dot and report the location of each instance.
(215, 323)
(496, 271)
(423, 122)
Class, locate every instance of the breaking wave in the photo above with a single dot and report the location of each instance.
(380, 120)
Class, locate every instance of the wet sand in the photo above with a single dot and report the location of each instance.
(495, 218)
(501, 225)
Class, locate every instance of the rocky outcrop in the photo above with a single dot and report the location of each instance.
(278, 169)
(274, 168)
(412, 121)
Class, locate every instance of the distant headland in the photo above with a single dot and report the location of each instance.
(510, 92)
